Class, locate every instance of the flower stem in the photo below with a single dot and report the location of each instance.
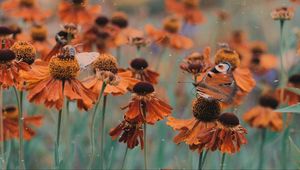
(93, 130)
(223, 161)
(102, 132)
(204, 158)
(124, 158)
(3, 163)
(200, 161)
(261, 148)
(145, 136)
(19, 96)
(118, 54)
(56, 153)
(282, 70)
(57, 160)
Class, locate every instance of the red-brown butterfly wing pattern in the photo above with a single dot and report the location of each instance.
(218, 86)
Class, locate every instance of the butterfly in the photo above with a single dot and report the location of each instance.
(218, 84)
(84, 59)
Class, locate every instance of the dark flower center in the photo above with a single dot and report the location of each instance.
(206, 110)
(106, 62)
(295, 79)
(194, 66)
(268, 101)
(143, 88)
(229, 119)
(4, 31)
(9, 109)
(78, 2)
(6, 55)
(139, 64)
(101, 21)
(257, 51)
(119, 22)
(255, 60)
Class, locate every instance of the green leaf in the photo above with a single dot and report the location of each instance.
(294, 90)
(290, 109)
(295, 151)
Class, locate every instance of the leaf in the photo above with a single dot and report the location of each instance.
(295, 152)
(290, 109)
(294, 90)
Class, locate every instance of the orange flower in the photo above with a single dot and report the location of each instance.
(169, 35)
(144, 101)
(197, 63)
(188, 9)
(62, 38)
(24, 51)
(238, 40)
(10, 124)
(97, 35)
(25, 9)
(49, 83)
(39, 39)
(264, 116)
(132, 133)
(282, 13)
(205, 113)
(227, 136)
(77, 12)
(139, 69)
(106, 71)
(290, 97)
(9, 68)
(5, 37)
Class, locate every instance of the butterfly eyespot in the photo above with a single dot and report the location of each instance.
(222, 67)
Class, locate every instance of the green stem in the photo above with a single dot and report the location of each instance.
(3, 163)
(59, 118)
(282, 69)
(124, 158)
(143, 107)
(57, 160)
(261, 148)
(223, 161)
(19, 96)
(102, 132)
(118, 53)
(93, 128)
(204, 158)
(200, 161)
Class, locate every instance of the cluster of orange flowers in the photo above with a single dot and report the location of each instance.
(54, 72)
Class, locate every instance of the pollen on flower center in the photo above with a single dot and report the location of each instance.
(229, 119)
(6, 55)
(38, 33)
(268, 101)
(139, 64)
(24, 51)
(143, 88)
(191, 3)
(106, 62)
(63, 68)
(27, 3)
(172, 25)
(4, 31)
(206, 110)
(226, 55)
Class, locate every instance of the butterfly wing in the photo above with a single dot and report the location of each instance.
(218, 86)
(86, 58)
